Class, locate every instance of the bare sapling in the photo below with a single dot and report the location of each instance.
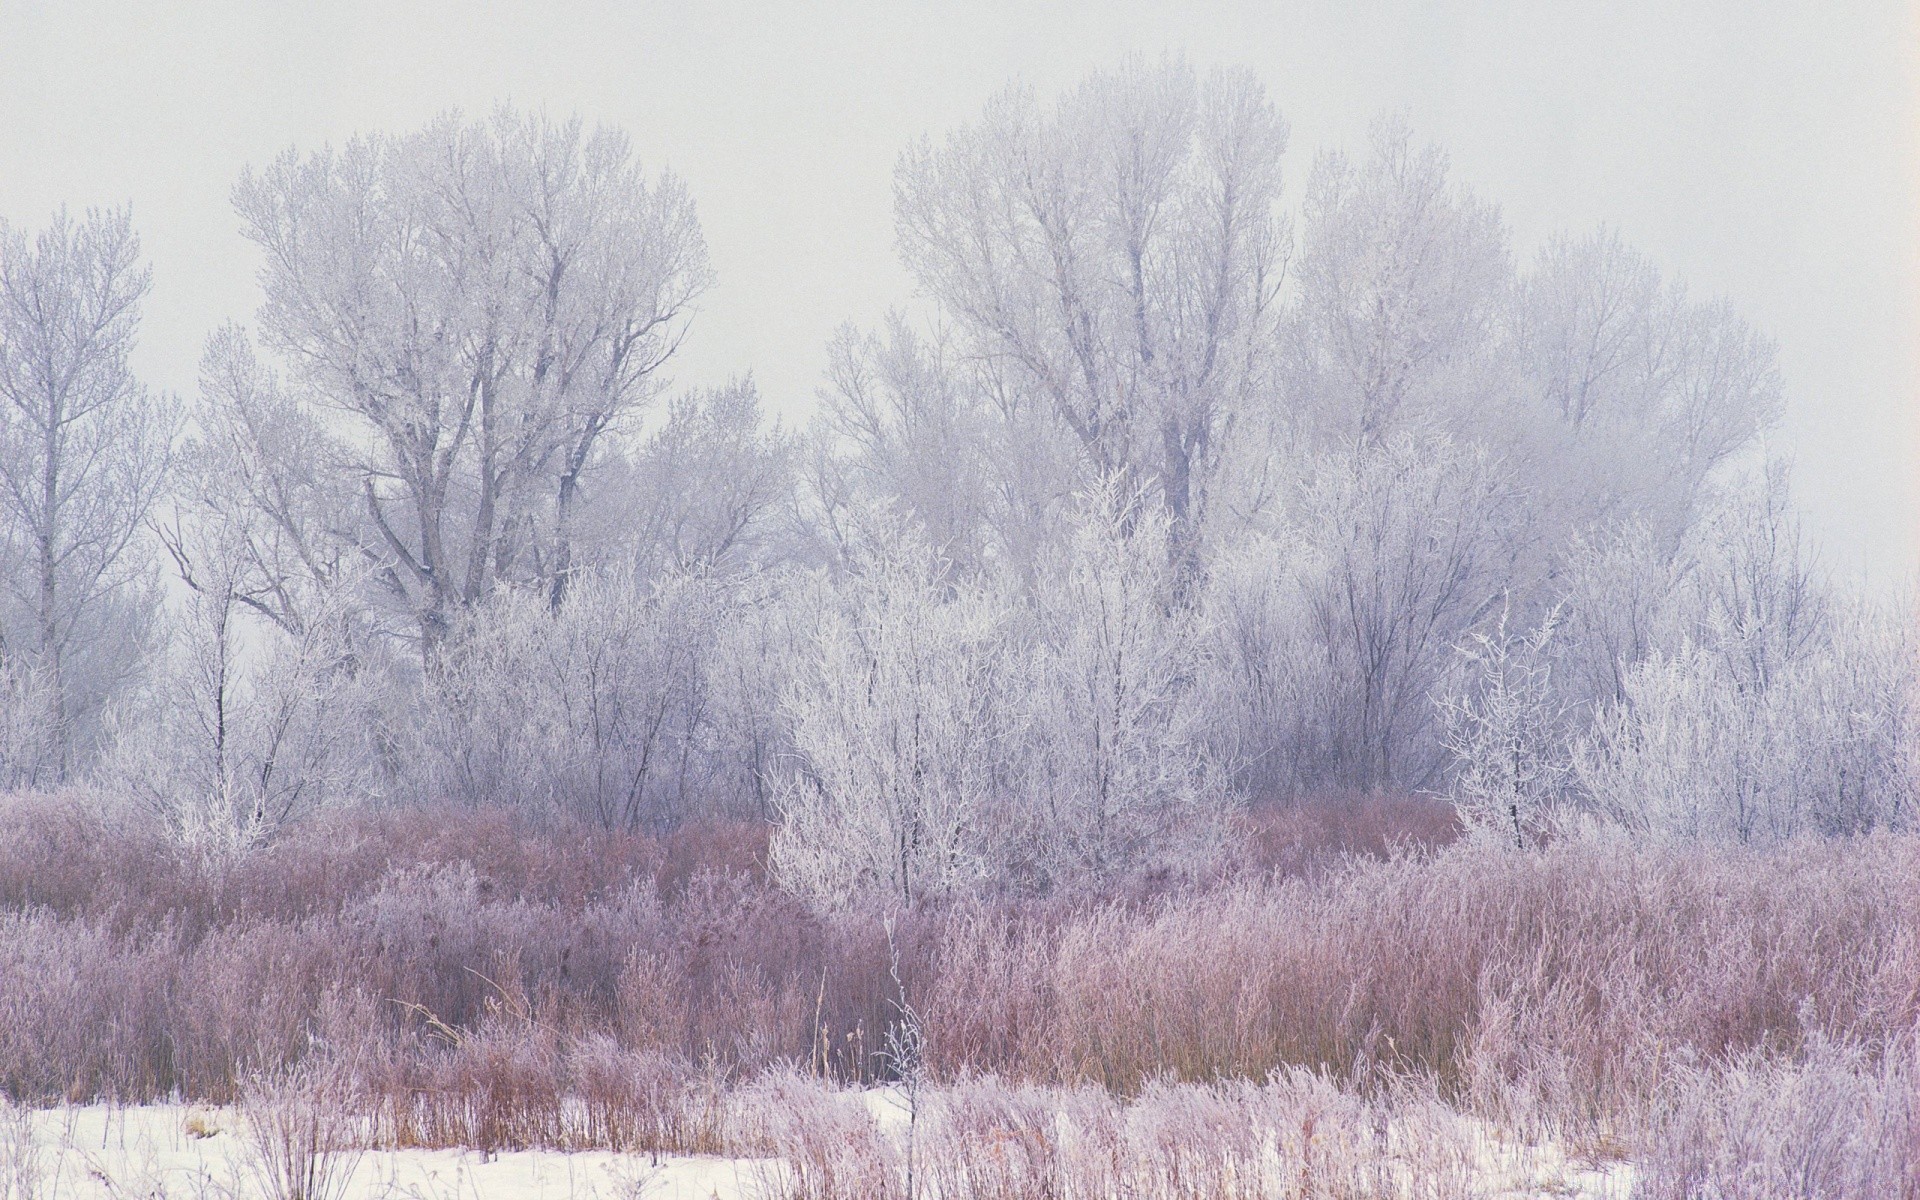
(307, 1131)
(903, 1055)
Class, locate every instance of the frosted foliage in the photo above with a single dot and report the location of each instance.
(901, 711)
(1505, 733)
(1758, 705)
(1405, 548)
(246, 729)
(26, 725)
(473, 311)
(917, 435)
(1402, 278)
(1826, 746)
(1334, 630)
(1117, 253)
(262, 478)
(1649, 391)
(1169, 495)
(703, 494)
(603, 710)
(948, 738)
(1118, 770)
(1622, 597)
(83, 459)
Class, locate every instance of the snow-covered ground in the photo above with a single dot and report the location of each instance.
(168, 1152)
(175, 1152)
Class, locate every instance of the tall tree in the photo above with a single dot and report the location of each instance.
(468, 313)
(1117, 253)
(1646, 392)
(1402, 277)
(84, 449)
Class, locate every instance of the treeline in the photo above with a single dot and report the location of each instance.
(1175, 492)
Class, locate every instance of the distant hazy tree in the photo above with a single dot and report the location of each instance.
(468, 312)
(1116, 252)
(1644, 392)
(84, 450)
(704, 494)
(918, 425)
(1404, 548)
(262, 500)
(915, 436)
(1402, 277)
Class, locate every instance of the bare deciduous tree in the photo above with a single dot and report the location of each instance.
(84, 450)
(901, 712)
(1402, 278)
(1118, 254)
(469, 311)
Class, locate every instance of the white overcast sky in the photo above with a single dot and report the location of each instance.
(1766, 152)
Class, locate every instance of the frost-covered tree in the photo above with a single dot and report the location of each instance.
(1117, 774)
(1403, 548)
(1828, 747)
(1504, 727)
(1642, 392)
(1402, 280)
(1768, 709)
(706, 493)
(902, 709)
(469, 312)
(1256, 665)
(261, 488)
(1755, 601)
(1117, 254)
(249, 726)
(84, 451)
(1683, 755)
(1858, 766)
(27, 728)
(917, 425)
(1619, 592)
(915, 435)
(600, 711)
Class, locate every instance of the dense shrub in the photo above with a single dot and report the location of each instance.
(495, 983)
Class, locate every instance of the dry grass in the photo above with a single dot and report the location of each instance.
(1836, 1125)
(502, 985)
(1299, 1137)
